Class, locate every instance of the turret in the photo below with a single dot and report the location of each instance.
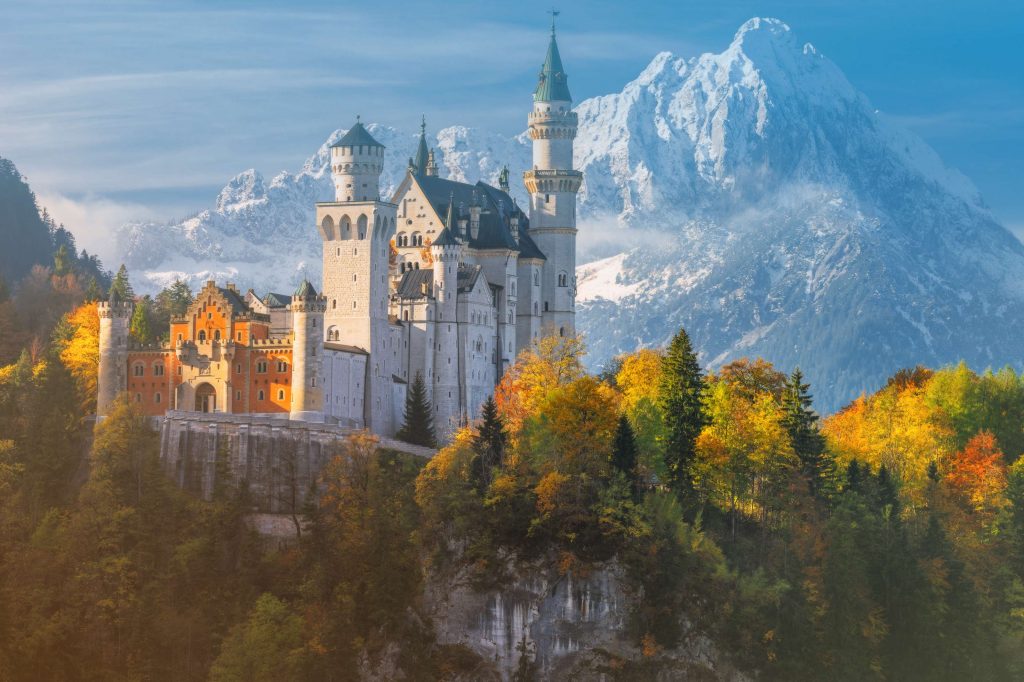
(356, 232)
(115, 316)
(356, 164)
(431, 165)
(553, 185)
(307, 308)
(446, 251)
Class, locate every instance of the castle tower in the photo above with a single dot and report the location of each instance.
(356, 230)
(553, 185)
(447, 394)
(115, 316)
(307, 310)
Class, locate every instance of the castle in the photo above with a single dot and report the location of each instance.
(445, 280)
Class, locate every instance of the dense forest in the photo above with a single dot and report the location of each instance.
(884, 542)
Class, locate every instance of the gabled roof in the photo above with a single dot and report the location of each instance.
(496, 209)
(412, 284)
(235, 300)
(552, 84)
(272, 300)
(356, 136)
(467, 277)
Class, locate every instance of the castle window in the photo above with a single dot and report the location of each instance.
(261, 367)
(355, 278)
(353, 305)
(536, 278)
(209, 316)
(545, 306)
(312, 382)
(280, 394)
(334, 304)
(179, 337)
(158, 370)
(238, 368)
(239, 336)
(138, 369)
(282, 366)
(238, 395)
(563, 279)
(156, 398)
(405, 315)
(547, 198)
(202, 335)
(138, 397)
(355, 252)
(216, 335)
(561, 331)
(259, 394)
(314, 323)
(179, 370)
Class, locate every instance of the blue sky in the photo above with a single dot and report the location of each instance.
(117, 110)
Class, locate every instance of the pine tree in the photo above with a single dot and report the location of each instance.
(139, 327)
(92, 291)
(801, 422)
(624, 453)
(418, 426)
(680, 394)
(489, 443)
(62, 261)
(121, 286)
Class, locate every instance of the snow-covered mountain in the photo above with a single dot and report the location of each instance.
(776, 212)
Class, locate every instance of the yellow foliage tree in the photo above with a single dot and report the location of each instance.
(80, 353)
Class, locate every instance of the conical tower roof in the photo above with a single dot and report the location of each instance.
(422, 153)
(305, 290)
(357, 136)
(553, 84)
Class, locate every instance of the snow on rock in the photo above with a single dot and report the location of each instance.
(756, 198)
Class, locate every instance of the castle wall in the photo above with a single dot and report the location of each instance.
(344, 373)
(276, 459)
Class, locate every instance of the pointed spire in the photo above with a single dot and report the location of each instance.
(553, 84)
(431, 164)
(447, 236)
(420, 162)
(449, 220)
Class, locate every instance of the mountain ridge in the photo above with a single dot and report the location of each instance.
(777, 214)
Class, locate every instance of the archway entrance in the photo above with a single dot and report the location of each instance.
(206, 398)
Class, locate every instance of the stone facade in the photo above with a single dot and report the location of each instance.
(444, 280)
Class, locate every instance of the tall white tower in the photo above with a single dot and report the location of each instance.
(447, 388)
(115, 316)
(356, 230)
(553, 185)
(307, 309)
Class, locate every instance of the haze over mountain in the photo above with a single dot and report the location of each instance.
(752, 196)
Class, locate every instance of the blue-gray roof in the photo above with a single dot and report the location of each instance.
(272, 300)
(553, 84)
(357, 136)
(497, 209)
(414, 282)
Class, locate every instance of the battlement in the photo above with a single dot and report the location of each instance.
(118, 309)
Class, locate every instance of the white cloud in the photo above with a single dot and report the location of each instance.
(93, 220)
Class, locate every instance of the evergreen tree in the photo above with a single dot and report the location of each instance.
(624, 454)
(62, 261)
(801, 422)
(140, 327)
(489, 443)
(175, 299)
(680, 394)
(121, 286)
(92, 291)
(418, 426)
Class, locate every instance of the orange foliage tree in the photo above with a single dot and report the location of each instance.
(978, 473)
(80, 352)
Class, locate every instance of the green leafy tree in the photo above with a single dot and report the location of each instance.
(418, 423)
(680, 397)
(267, 647)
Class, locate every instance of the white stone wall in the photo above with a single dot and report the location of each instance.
(307, 399)
(344, 376)
(529, 303)
(113, 364)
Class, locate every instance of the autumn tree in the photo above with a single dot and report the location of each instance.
(548, 363)
(680, 396)
(978, 473)
(79, 348)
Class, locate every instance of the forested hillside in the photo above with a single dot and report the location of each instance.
(885, 542)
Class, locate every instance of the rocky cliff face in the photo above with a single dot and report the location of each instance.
(569, 626)
(753, 196)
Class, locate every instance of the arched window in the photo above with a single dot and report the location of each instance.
(138, 397)
(328, 226)
(561, 331)
(346, 228)
(563, 279)
(545, 306)
(138, 369)
(156, 398)
(361, 225)
(216, 335)
(280, 394)
(259, 394)
(202, 335)
(536, 278)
